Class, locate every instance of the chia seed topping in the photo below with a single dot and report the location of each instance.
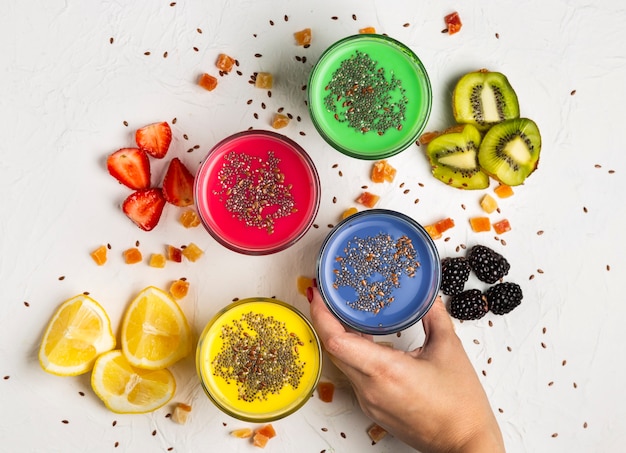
(361, 95)
(259, 355)
(254, 189)
(373, 267)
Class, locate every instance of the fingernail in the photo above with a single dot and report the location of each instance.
(309, 294)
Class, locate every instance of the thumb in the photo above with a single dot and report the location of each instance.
(437, 325)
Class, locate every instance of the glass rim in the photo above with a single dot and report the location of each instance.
(425, 305)
(298, 233)
(415, 60)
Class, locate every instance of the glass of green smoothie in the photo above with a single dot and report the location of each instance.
(369, 96)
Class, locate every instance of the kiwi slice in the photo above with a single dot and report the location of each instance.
(509, 151)
(454, 158)
(484, 98)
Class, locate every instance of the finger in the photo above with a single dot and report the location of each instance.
(437, 326)
(351, 352)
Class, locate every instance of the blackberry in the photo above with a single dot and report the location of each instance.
(504, 297)
(454, 274)
(488, 265)
(468, 305)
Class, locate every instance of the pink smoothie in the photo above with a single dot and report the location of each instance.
(257, 192)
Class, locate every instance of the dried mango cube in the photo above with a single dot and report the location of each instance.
(432, 231)
(303, 37)
(99, 255)
(503, 191)
(157, 260)
(189, 218)
(260, 440)
(280, 121)
(367, 30)
(326, 391)
(192, 252)
(502, 226)
(241, 433)
(224, 62)
(444, 224)
(174, 254)
(303, 283)
(179, 288)
(368, 199)
(132, 255)
(382, 171)
(181, 413)
(488, 203)
(207, 81)
(376, 433)
(266, 430)
(348, 212)
(264, 80)
(480, 224)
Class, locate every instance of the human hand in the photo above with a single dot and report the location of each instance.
(430, 398)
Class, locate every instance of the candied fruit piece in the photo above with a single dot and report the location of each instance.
(157, 260)
(224, 62)
(179, 288)
(174, 254)
(259, 440)
(192, 252)
(453, 22)
(326, 391)
(279, 121)
(207, 81)
(376, 433)
(241, 433)
(368, 199)
(382, 171)
(99, 255)
(264, 80)
(488, 203)
(444, 224)
(132, 255)
(503, 191)
(348, 212)
(181, 413)
(480, 224)
(502, 226)
(303, 37)
(367, 30)
(432, 231)
(189, 218)
(428, 137)
(304, 283)
(266, 430)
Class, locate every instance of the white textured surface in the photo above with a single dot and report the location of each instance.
(66, 91)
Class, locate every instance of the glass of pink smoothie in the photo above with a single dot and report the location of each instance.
(257, 192)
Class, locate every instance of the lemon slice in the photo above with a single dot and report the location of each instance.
(77, 333)
(128, 390)
(155, 333)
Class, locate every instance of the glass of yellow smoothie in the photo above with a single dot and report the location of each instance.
(259, 359)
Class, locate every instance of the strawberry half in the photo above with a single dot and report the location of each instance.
(131, 167)
(144, 207)
(154, 139)
(178, 184)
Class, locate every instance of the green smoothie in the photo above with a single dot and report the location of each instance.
(369, 96)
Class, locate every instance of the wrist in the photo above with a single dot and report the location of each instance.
(484, 442)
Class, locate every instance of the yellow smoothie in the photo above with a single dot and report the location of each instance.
(259, 359)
